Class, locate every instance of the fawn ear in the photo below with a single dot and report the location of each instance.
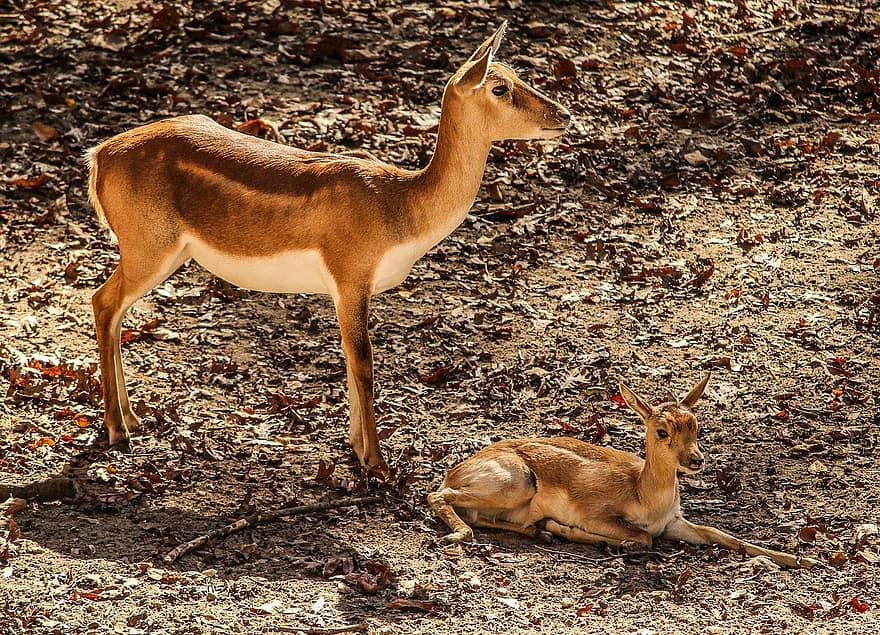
(642, 407)
(492, 42)
(696, 392)
(474, 77)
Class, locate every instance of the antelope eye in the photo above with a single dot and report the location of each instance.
(662, 433)
(500, 90)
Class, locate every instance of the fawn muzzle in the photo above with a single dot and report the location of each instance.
(695, 461)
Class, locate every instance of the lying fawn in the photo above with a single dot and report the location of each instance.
(587, 493)
(274, 218)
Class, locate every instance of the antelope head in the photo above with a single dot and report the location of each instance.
(671, 428)
(490, 98)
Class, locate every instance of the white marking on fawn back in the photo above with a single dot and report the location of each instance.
(295, 271)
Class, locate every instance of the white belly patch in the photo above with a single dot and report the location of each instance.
(396, 264)
(300, 271)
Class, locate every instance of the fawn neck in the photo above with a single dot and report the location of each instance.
(448, 185)
(658, 480)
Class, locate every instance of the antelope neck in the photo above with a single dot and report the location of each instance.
(655, 478)
(448, 185)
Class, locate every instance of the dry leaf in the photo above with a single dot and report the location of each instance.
(44, 132)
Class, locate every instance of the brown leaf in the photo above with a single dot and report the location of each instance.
(70, 271)
(259, 128)
(418, 605)
(838, 559)
(14, 533)
(436, 376)
(367, 584)
(808, 534)
(44, 132)
(324, 470)
(165, 18)
(704, 271)
(565, 71)
(33, 182)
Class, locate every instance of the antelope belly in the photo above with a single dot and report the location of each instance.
(396, 263)
(299, 271)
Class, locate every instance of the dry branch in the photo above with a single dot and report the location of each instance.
(360, 627)
(50, 489)
(261, 518)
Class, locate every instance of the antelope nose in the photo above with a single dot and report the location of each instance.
(697, 461)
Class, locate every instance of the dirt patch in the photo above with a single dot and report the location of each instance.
(713, 209)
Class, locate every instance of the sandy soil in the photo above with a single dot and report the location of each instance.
(712, 210)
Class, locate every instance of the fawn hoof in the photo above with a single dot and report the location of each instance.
(462, 535)
(633, 546)
(544, 536)
(372, 462)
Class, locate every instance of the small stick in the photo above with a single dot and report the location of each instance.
(573, 557)
(772, 29)
(360, 627)
(261, 518)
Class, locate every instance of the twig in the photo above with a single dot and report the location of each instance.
(772, 29)
(573, 557)
(261, 518)
(360, 627)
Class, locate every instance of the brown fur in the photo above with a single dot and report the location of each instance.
(585, 492)
(246, 197)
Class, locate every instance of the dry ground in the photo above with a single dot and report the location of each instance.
(713, 209)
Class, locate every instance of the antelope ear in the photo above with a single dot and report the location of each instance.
(642, 407)
(696, 392)
(474, 77)
(493, 42)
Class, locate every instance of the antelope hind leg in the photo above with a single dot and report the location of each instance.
(110, 303)
(493, 489)
(440, 503)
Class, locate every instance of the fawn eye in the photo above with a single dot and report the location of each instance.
(662, 433)
(500, 90)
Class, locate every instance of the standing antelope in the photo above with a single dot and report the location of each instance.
(269, 217)
(587, 493)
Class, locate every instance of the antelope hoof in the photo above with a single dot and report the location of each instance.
(379, 469)
(462, 535)
(118, 436)
(633, 546)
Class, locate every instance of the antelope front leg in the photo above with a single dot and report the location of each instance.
(681, 529)
(352, 310)
(610, 533)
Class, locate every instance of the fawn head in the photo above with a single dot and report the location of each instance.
(671, 428)
(493, 100)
